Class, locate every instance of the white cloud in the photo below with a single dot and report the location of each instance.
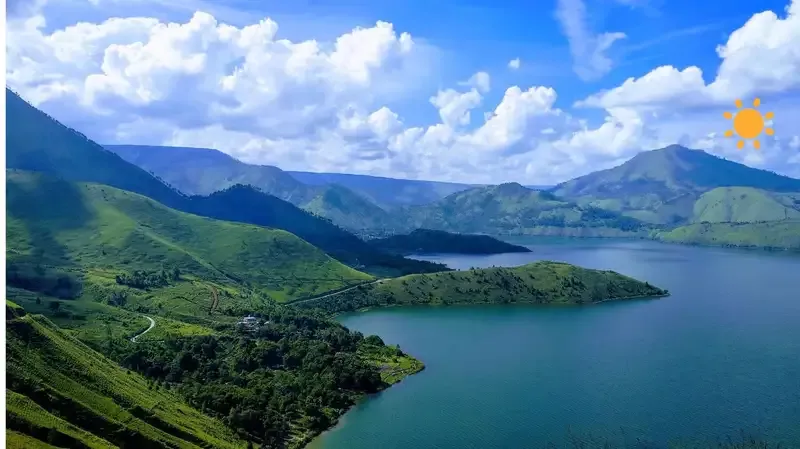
(588, 49)
(514, 64)
(325, 106)
(761, 57)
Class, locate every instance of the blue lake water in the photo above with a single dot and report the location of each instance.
(719, 357)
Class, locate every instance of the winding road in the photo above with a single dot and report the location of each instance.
(328, 295)
(152, 325)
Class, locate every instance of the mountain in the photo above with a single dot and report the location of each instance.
(537, 283)
(661, 186)
(99, 229)
(388, 193)
(202, 171)
(61, 392)
(348, 209)
(511, 209)
(431, 241)
(37, 142)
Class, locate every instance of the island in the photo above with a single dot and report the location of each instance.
(430, 241)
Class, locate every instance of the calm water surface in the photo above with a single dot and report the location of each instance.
(718, 357)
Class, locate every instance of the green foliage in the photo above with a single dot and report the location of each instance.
(281, 384)
(432, 241)
(147, 279)
(536, 283)
(44, 280)
(511, 209)
(63, 393)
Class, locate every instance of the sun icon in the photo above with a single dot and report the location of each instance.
(748, 123)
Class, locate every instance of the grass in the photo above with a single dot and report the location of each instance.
(781, 235)
(61, 390)
(98, 227)
(394, 365)
(536, 283)
(744, 205)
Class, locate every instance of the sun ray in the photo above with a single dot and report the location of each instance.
(739, 104)
(727, 115)
(769, 131)
(756, 102)
(729, 133)
(757, 144)
(769, 115)
(740, 144)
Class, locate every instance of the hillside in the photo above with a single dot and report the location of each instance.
(431, 241)
(780, 235)
(388, 193)
(511, 209)
(535, 283)
(745, 205)
(37, 142)
(348, 209)
(94, 227)
(61, 392)
(200, 171)
(661, 186)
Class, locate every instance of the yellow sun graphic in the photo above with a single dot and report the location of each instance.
(748, 123)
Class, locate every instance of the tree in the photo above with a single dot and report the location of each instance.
(54, 306)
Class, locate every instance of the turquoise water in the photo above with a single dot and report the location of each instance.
(719, 357)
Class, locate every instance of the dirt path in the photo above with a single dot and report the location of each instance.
(152, 325)
(214, 299)
(328, 295)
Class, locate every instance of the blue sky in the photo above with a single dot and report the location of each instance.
(452, 40)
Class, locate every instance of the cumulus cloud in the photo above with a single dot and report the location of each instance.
(761, 57)
(325, 105)
(588, 49)
(514, 64)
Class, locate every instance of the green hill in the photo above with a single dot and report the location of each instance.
(745, 205)
(94, 227)
(536, 283)
(781, 235)
(431, 241)
(200, 171)
(62, 393)
(661, 186)
(511, 209)
(37, 142)
(348, 209)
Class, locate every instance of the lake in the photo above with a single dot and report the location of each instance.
(719, 357)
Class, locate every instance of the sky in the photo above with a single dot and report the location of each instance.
(478, 91)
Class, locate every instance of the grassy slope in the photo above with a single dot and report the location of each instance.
(348, 209)
(745, 205)
(58, 388)
(37, 142)
(770, 235)
(99, 227)
(200, 171)
(536, 283)
(431, 241)
(662, 185)
(510, 209)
